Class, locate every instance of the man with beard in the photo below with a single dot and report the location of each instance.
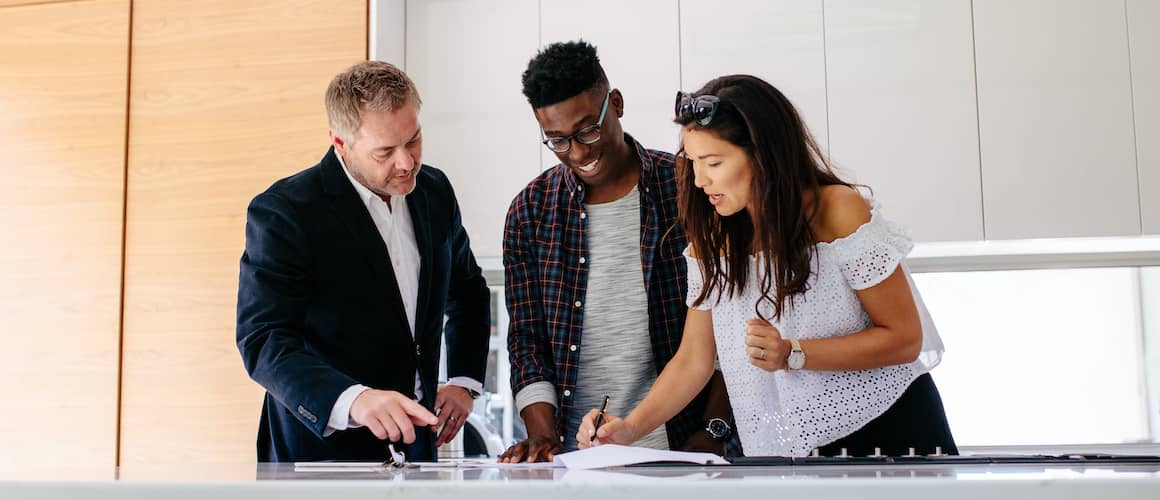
(348, 271)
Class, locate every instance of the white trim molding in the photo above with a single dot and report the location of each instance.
(1062, 253)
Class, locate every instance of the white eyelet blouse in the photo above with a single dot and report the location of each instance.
(789, 413)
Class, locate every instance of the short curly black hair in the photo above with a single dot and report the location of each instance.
(560, 71)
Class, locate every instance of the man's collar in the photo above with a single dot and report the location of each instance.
(364, 193)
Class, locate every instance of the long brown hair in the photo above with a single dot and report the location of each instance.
(787, 163)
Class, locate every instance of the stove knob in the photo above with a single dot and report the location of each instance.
(937, 452)
(877, 453)
(910, 453)
(842, 454)
(816, 453)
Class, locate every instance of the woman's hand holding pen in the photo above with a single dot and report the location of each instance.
(613, 430)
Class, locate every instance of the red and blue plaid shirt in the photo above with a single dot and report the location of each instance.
(545, 280)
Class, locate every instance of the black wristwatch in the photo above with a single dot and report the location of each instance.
(718, 428)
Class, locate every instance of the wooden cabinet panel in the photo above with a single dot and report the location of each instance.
(226, 98)
(62, 136)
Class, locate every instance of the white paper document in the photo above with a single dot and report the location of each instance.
(611, 455)
(338, 466)
(485, 463)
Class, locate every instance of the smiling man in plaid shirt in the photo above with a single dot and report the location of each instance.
(604, 220)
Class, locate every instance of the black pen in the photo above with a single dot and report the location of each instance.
(599, 418)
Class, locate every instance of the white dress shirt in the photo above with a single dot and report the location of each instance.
(398, 233)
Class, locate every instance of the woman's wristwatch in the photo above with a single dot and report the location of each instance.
(797, 357)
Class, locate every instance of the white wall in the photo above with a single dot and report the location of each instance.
(1144, 46)
(466, 57)
(787, 48)
(647, 71)
(972, 120)
(902, 110)
(1055, 118)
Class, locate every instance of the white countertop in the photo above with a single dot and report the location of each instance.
(283, 481)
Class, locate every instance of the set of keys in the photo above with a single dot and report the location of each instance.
(396, 459)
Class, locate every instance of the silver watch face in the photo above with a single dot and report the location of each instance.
(796, 360)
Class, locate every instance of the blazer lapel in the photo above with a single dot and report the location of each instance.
(417, 203)
(348, 208)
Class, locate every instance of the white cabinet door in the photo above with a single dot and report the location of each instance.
(388, 32)
(779, 41)
(1055, 119)
(1144, 45)
(466, 56)
(638, 46)
(902, 110)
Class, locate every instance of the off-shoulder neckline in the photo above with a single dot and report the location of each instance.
(875, 218)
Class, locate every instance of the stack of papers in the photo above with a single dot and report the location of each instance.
(612, 455)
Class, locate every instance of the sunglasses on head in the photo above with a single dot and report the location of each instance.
(701, 108)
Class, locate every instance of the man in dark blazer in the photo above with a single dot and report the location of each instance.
(348, 271)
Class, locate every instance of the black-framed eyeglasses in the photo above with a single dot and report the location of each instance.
(587, 135)
(701, 108)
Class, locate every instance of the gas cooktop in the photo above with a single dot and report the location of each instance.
(1072, 459)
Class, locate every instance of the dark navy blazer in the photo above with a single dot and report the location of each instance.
(319, 309)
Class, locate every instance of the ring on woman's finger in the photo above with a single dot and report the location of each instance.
(762, 354)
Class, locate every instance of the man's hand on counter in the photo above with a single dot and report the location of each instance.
(543, 440)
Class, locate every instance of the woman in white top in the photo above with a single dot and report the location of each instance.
(797, 287)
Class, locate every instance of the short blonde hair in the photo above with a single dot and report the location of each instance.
(366, 86)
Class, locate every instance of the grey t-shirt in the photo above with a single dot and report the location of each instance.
(616, 355)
